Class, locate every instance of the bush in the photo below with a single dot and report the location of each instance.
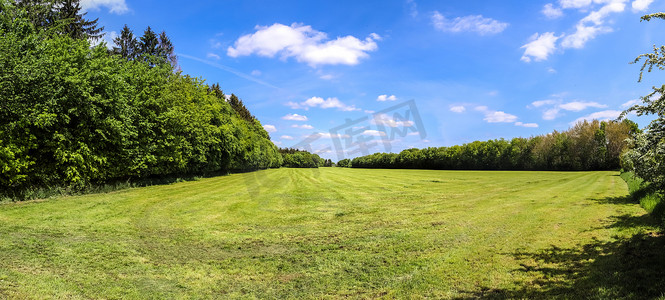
(650, 198)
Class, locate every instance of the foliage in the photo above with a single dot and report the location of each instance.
(650, 198)
(126, 44)
(587, 146)
(64, 16)
(149, 48)
(345, 163)
(166, 50)
(294, 158)
(40, 13)
(647, 155)
(73, 116)
(76, 26)
(240, 108)
(328, 163)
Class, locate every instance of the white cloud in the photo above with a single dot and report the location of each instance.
(327, 77)
(386, 98)
(540, 46)
(630, 103)
(114, 6)
(256, 73)
(528, 125)
(579, 106)
(640, 5)
(477, 23)
(322, 103)
(591, 25)
(582, 35)
(304, 44)
(574, 3)
(601, 116)
(458, 109)
(551, 114)
(294, 105)
(499, 117)
(270, 128)
(597, 17)
(286, 137)
(551, 70)
(294, 117)
(492, 116)
(304, 126)
(374, 133)
(559, 95)
(555, 107)
(540, 103)
(588, 28)
(213, 56)
(551, 12)
(331, 136)
(383, 119)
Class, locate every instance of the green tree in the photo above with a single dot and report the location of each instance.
(647, 155)
(166, 50)
(240, 108)
(76, 26)
(344, 163)
(40, 12)
(217, 91)
(126, 44)
(149, 50)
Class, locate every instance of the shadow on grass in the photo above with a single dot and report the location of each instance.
(622, 200)
(626, 268)
(43, 192)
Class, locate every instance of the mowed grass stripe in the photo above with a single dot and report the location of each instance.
(303, 233)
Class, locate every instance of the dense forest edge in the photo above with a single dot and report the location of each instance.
(584, 147)
(76, 116)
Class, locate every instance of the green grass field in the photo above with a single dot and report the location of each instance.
(333, 232)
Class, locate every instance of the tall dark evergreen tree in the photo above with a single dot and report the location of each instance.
(76, 25)
(240, 108)
(126, 44)
(217, 91)
(166, 49)
(149, 44)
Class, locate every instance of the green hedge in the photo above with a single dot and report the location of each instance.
(648, 197)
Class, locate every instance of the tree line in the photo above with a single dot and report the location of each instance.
(76, 115)
(586, 146)
(295, 158)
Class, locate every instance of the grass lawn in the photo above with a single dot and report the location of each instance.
(334, 232)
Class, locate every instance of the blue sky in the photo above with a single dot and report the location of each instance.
(475, 70)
